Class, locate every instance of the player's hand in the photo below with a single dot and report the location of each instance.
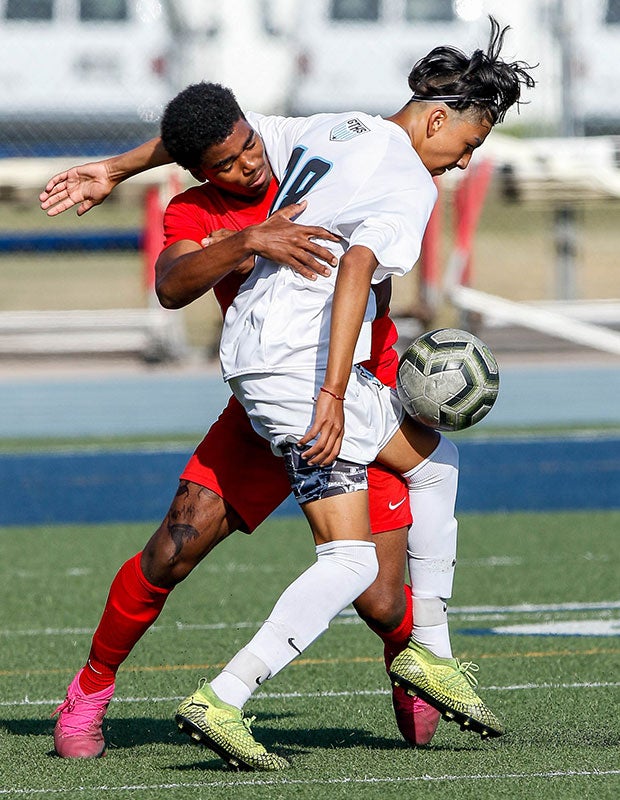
(84, 186)
(219, 236)
(285, 242)
(327, 428)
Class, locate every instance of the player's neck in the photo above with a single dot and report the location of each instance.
(406, 120)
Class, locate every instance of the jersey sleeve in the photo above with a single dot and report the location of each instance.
(389, 217)
(182, 221)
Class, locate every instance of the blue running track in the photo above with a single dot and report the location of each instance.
(136, 484)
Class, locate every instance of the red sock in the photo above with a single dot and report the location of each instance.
(396, 640)
(132, 606)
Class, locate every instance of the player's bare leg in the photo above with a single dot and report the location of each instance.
(197, 520)
(382, 606)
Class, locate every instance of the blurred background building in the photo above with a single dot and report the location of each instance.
(111, 65)
(534, 222)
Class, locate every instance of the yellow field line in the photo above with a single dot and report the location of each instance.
(304, 662)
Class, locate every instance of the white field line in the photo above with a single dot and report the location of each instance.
(236, 782)
(517, 687)
(348, 616)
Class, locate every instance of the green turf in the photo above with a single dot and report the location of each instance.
(557, 695)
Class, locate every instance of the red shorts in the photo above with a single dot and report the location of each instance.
(238, 465)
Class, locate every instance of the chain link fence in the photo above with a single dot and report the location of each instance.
(85, 78)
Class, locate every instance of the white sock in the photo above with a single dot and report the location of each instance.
(431, 544)
(430, 625)
(342, 571)
(229, 687)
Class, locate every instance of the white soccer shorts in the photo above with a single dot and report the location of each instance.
(281, 408)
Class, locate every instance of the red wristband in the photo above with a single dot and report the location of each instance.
(335, 396)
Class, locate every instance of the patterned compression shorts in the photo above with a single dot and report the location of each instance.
(314, 482)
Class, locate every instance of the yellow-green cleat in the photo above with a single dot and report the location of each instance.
(224, 729)
(447, 685)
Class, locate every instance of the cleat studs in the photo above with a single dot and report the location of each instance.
(196, 736)
(410, 692)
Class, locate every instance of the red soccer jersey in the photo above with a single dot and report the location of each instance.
(203, 209)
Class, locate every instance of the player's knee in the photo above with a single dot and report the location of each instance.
(163, 563)
(169, 556)
(381, 608)
(441, 468)
(369, 566)
(355, 561)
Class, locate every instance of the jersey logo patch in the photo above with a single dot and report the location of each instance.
(348, 129)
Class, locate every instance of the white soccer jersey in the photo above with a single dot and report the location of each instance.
(364, 182)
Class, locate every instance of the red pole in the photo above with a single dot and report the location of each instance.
(430, 259)
(152, 235)
(469, 200)
(153, 232)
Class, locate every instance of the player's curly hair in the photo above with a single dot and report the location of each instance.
(481, 81)
(200, 116)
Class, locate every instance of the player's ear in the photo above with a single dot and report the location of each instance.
(436, 118)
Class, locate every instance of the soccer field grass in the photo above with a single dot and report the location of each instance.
(519, 576)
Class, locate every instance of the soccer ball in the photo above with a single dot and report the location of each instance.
(448, 379)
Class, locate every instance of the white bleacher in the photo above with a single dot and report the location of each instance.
(560, 171)
(153, 334)
(573, 168)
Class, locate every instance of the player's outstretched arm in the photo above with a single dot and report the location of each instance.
(88, 185)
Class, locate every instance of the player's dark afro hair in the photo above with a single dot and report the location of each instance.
(482, 80)
(200, 116)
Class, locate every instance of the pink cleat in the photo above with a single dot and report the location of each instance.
(416, 720)
(78, 731)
